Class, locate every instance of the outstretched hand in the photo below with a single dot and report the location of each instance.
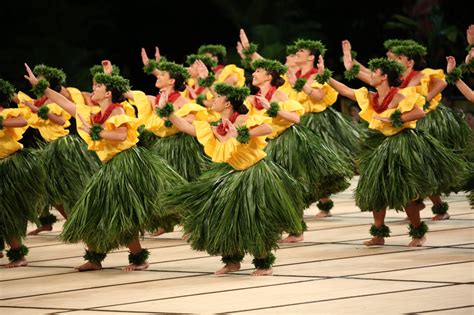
(320, 65)
(263, 101)
(291, 75)
(31, 76)
(145, 58)
(470, 56)
(244, 39)
(107, 66)
(191, 92)
(163, 99)
(231, 130)
(240, 50)
(346, 55)
(451, 64)
(157, 54)
(203, 72)
(470, 34)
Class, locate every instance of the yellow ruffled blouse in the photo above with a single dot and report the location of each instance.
(423, 87)
(309, 105)
(107, 149)
(277, 123)
(148, 117)
(9, 137)
(49, 130)
(364, 99)
(238, 155)
(230, 70)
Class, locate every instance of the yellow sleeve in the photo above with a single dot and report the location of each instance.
(140, 100)
(192, 108)
(330, 97)
(148, 117)
(292, 106)
(9, 137)
(219, 152)
(367, 112)
(363, 99)
(106, 149)
(423, 88)
(279, 124)
(24, 98)
(85, 111)
(76, 95)
(238, 155)
(232, 70)
(128, 108)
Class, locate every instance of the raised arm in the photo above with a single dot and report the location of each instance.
(262, 130)
(436, 86)
(341, 88)
(54, 96)
(364, 73)
(57, 119)
(286, 115)
(14, 122)
(460, 84)
(117, 134)
(183, 125)
(146, 60)
(246, 44)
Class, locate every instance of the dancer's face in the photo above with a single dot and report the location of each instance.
(163, 80)
(376, 78)
(99, 93)
(303, 56)
(260, 76)
(220, 104)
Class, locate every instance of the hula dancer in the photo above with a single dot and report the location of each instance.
(244, 203)
(446, 125)
(19, 194)
(182, 151)
(293, 146)
(121, 200)
(316, 96)
(67, 162)
(389, 175)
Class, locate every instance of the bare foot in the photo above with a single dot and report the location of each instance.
(17, 263)
(159, 231)
(417, 242)
(227, 268)
(262, 272)
(375, 241)
(133, 267)
(440, 217)
(292, 239)
(47, 227)
(185, 237)
(324, 214)
(89, 266)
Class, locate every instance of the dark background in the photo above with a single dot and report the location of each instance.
(74, 35)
